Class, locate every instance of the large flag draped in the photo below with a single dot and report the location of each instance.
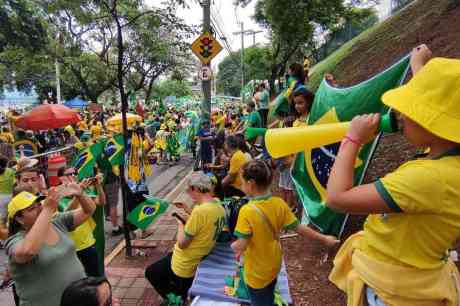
(311, 168)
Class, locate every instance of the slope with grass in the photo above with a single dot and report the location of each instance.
(436, 23)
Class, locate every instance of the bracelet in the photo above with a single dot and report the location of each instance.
(350, 139)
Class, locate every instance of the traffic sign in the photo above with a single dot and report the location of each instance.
(206, 47)
(205, 73)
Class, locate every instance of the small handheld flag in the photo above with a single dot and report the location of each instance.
(147, 212)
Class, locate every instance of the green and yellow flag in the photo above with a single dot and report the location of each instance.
(311, 168)
(114, 150)
(147, 212)
(86, 159)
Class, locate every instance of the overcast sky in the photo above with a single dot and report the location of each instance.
(227, 17)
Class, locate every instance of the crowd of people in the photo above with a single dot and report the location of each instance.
(401, 257)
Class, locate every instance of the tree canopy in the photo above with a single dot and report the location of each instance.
(82, 36)
(256, 64)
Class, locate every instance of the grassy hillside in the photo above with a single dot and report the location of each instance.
(436, 23)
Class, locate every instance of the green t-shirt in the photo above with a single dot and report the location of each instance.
(7, 181)
(264, 99)
(254, 120)
(42, 281)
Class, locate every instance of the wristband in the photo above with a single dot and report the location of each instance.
(352, 140)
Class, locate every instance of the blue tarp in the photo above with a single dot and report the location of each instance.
(210, 276)
(76, 103)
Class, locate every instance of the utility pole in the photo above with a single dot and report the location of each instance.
(242, 32)
(206, 84)
(253, 33)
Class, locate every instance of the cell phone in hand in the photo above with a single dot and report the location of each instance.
(179, 218)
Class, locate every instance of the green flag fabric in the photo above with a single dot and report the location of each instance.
(98, 231)
(86, 159)
(311, 169)
(147, 212)
(114, 150)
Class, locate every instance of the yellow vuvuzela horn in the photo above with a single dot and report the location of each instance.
(286, 141)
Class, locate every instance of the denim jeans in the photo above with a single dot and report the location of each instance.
(264, 296)
(372, 298)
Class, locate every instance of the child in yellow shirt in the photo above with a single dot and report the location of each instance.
(259, 224)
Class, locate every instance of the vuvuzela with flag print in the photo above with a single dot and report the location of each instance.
(147, 212)
(312, 167)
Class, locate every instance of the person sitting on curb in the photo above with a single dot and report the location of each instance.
(195, 239)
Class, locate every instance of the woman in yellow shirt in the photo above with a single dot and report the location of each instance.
(402, 255)
(232, 181)
(259, 224)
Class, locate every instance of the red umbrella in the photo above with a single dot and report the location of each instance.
(48, 116)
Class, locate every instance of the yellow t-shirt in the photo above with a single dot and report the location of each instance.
(236, 164)
(262, 258)
(7, 137)
(220, 122)
(425, 195)
(96, 131)
(83, 236)
(203, 227)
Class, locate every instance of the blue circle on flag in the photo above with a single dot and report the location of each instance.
(148, 210)
(322, 160)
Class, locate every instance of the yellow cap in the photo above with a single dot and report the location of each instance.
(432, 98)
(20, 202)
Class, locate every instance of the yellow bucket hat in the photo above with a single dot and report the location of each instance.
(431, 98)
(21, 201)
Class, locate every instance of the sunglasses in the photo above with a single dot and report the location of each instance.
(32, 207)
(29, 179)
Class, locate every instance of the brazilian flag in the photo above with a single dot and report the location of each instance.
(311, 168)
(96, 222)
(86, 159)
(114, 150)
(147, 212)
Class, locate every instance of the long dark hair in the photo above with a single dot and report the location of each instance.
(306, 94)
(297, 72)
(83, 292)
(258, 171)
(3, 164)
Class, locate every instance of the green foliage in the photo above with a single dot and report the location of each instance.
(256, 64)
(82, 36)
(171, 88)
(21, 25)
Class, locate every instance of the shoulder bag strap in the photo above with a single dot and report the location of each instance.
(266, 221)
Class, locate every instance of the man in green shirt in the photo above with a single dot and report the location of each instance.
(254, 119)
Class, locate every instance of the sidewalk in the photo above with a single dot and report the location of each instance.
(126, 275)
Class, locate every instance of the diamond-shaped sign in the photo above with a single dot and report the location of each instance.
(206, 47)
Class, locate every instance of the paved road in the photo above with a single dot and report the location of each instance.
(163, 180)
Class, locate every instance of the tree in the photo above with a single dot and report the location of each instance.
(83, 37)
(256, 63)
(292, 24)
(172, 87)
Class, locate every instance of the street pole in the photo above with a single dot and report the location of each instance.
(242, 58)
(206, 84)
(58, 83)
